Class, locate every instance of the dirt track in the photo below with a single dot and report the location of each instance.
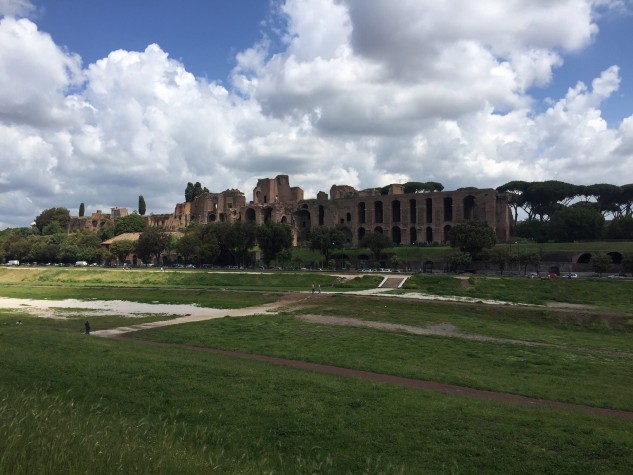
(293, 301)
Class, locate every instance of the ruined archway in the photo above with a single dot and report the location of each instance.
(413, 211)
(447, 230)
(250, 216)
(361, 234)
(470, 207)
(321, 215)
(304, 224)
(268, 214)
(361, 212)
(616, 257)
(413, 236)
(395, 211)
(396, 235)
(584, 258)
(377, 230)
(429, 235)
(378, 212)
(448, 209)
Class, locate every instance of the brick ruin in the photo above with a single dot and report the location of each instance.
(407, 218)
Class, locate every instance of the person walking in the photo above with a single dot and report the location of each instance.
(87, 325)
(313, 287)
(319, 288)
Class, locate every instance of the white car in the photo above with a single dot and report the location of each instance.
(572, 275)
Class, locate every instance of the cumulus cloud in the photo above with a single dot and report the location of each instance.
(361, 92)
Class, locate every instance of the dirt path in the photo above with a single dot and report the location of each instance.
(426, 385)
(192, 313)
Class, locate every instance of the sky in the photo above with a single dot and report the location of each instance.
(107, 100)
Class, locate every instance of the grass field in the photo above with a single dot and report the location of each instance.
(76, 404)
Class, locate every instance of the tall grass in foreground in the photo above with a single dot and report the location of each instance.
(41, 433)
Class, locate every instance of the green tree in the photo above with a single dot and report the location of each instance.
(272, 239)
(514, 191)
(192, 191)
(529, 258)
(459, 261)
(52, 228)
(472, 237)
(151, 244)
(326, 239)
(59, 215)
(376, 243)
(621, 228)
(121, 249)
(89, 246)
(187, 246)
(68, 251)
(601, 262)
(132, 223)
(576, 223)
(627, 262)
(501, 257)
(208, 245)
(141, 205)
(82, 210)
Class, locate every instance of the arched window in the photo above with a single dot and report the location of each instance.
(429, 235)
(470, 207)
(395, 211)
(361, 212)
(413, 211)
(448, 209)
(413, 236)
(429, 210)
(321, 215)
(361, 233)
(378, 211)
(447, 230)
(396, 236)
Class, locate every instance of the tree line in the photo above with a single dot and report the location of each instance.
(564, 212)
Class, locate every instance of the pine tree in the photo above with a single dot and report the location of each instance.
(141, 205)
(81, 210)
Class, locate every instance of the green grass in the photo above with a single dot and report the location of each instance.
(584, 329)
(286, 281)
(70, 403)
(203, 297)
(77, 404)
(599, 293)
(559, 374)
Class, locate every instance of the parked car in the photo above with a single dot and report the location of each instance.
(615, 276)
(572, 275)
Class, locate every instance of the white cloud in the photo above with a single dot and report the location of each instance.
(16, 8)
(363, 93)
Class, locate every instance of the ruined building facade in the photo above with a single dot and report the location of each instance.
(407, 218)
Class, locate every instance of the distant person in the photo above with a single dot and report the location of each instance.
(87, 325)
(312, 288)
(319, 288)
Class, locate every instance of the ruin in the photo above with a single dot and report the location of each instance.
(407, 218)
